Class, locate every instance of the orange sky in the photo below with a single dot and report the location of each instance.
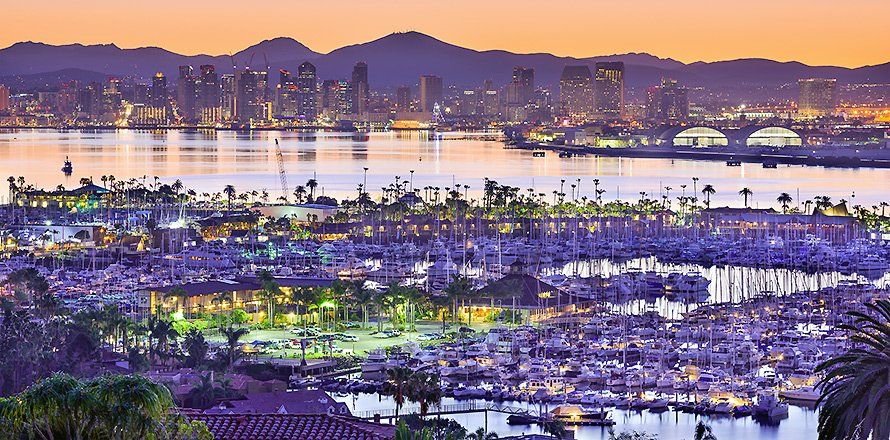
(837, 32)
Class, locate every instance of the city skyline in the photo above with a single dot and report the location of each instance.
(651, 27)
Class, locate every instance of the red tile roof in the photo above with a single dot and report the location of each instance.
(292, 427)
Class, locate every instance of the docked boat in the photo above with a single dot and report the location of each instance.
(67, 167)
(577, 415)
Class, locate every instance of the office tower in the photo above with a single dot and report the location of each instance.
(668, 102)
(345, 98)
(111, 95)
(490, 100)
(468, 105)
(430, 92)
(307, 89)
(89, 101)
(403, 98)
(817, 96)
(251, 89)
(4, 98)
(209, 93)
(158, 95)
(228, 96)
(330, 90)
(576, 92)
(524, 84)
(286, 96)
(67, 101)
(187, 94)
(609, 90)
(360, 88)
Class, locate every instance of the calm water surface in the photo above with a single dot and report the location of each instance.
(209, 160)
(801, 423)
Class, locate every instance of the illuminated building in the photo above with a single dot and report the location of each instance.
(360, 88)
(576, 92)
(187, 94)
(692, 136)
(227, 96)
(142, 114)
(490, 100)
(329, 91)
(431, 91)
(307, 88)
(158, 93)
(769, 136)
(209, 92)
(344, 100)
(250, 99)
(4, 98)
(817, 97)
(609, 90)
(286, 96)
(523, 83)
(668, 102)
(403, 98)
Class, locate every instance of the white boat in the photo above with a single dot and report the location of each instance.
(804, 393)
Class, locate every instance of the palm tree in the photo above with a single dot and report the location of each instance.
(196, 348)
(784, 199)
(424, 389)
(708, 190)
(311, 184)
(554, 428)
(855, 398)
(233, 336)
(229, 191)
(270, 291)
(703, 432)
(481, 434)
(363, 297)
(399, 381)
(746, 192)
(460, 288)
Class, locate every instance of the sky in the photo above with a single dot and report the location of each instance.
(847, 33)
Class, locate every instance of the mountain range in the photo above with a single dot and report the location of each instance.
(399, 59)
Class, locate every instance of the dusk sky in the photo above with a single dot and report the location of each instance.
(849, 33)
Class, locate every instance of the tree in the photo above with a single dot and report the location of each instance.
(708, 190)
(311, 184)
(459, 289)
(784, 199)
(746, 192)
(481, 434)
(233, 336)
(270, 291)
(554, 428)
(196, 348)
(404, 433)
(229, 191)
(855, 391)
(399, 381)
(703, 432)
(424, 389)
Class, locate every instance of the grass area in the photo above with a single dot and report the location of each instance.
(366, 342)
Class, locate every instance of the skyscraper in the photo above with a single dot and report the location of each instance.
(251, 95)
(431, 91)
(4, 98)
(609, 90)
(576, 92)
(360, 87)
(817, 96)
(158, 93)
(228, 96)
(307, 88)
(403, 98)
(286, 96)
(187, 94)
(209, 93)
(524, 83)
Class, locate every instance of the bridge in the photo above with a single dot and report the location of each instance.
(443, 410)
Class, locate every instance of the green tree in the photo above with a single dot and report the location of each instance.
(233, 337)
(855, 389)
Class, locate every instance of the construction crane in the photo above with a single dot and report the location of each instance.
(281, 174)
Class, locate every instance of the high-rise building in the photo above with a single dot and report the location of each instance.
(209, 105)
(431, 91)
(345, 98)
(403, 99)
(286, 96)
(251, 88)
(228, 96)
(668, 102)
(360, 87)
(524, 84)
(330, 91)
(187, 94)
(576, 92)
(158, 95)
(817, 96)
(490, 100)
(4, 98)
(307, 89)
(609, 90)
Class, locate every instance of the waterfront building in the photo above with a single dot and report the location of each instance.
(227, 96)
(817, 97)
(360, 88)
(609, 90)
(143, 115)
(208, 103)
(286, 96)
(524, 83)
(307, 90)
(403, 99)
(431, 92)
(251, 92)
(692, 136)
(85, 198)
(187, 94)
(490, 100)
(158, 94)
(576, 92)
(768, 136)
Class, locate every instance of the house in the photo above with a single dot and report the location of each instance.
(283, 402)
(292, 427)
(85, 198)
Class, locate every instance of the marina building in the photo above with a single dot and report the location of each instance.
(692, 136)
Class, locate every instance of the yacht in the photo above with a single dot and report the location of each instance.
(804, 393)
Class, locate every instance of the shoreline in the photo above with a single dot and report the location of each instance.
(841, 157)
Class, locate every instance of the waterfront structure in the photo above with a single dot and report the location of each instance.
(187, 94)
(817, 97)
(576, 92)
(609, 90)
(692, 136)
(768, 136)
(431, 92)
(85, 198)
(4, 98)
